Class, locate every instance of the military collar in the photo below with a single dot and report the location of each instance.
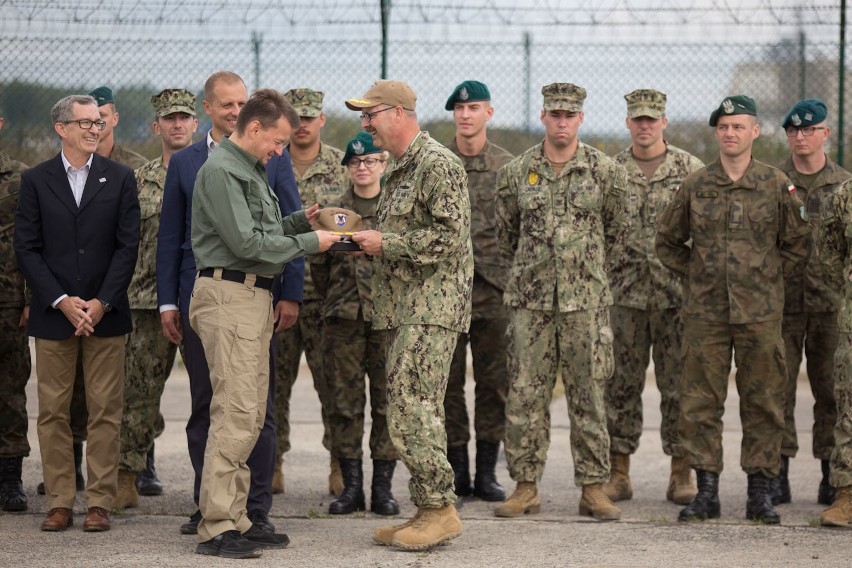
(154, 171)
(482, 162)
(325, 163)
(748, 181)
(242, 155)
(579, 162)
(830, 174)
(413, 149)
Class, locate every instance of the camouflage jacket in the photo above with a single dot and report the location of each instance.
(150, 178)
(323, 182)
(425, 272)
(808, 291)
(11, 280)
(490, 275)
(554, 231)
(344, 281)
(834, 243)
(636, 276)
(127, 157)
(747, 236)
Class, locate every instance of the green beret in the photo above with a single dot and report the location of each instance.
(307, 102)
(646, 102)
(359, 146)
(806, 112)
(738, 104)
(468, 92)
(563, 96)
(169, 101)
(103, 95)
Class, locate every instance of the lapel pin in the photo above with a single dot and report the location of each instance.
(102, 180)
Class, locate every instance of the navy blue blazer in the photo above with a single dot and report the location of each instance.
(87, 251)
(175, 261)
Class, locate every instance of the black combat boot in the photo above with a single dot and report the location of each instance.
(827, 493)
(706, 503)
(78, 468)
(146, 481)
(485, 484)
(779, 486)
(759, 504)
(12, 496)
(351, 499)
(381, 498)
(457, 456)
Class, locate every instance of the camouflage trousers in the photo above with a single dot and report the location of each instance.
(637, 335)
(305, 336)
(16, 368)
(761, 377)
(841, 457)
(351, 351)
(541, 343)
(418, 364)
(817, 334)
(149, 358)
(488, 344)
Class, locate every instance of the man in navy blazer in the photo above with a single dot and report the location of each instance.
(76, 240)
(224, 95)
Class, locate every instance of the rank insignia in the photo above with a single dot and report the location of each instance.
(357, 147)
(796, 120)
(533, 178)
(463, 94)
(728, 106)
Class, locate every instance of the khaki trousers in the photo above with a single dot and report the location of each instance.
(234, 322)
(103, 373)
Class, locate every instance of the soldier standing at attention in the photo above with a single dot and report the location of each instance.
(560, 206)
(646, 300)
(14, 345)
(811, 303)
(422, 279)
(321, 179)
(748, 230)
(471, 106)
(149, 355)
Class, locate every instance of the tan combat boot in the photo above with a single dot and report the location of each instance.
(431, 528)
(524, 501)
(335, 478)
(126, 495)
(840, 513)
(278, 478)
(682, 489)
(383, 536)
(619, 488)
(595, 503)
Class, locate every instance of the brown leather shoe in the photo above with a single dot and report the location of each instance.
(97, 520)
(58, 519)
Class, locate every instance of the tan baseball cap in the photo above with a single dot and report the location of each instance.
(385, 92)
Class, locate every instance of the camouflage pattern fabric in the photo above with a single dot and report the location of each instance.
(12, 285)
(127, 157)
(580, 343)
(841, 457)
(150, 179)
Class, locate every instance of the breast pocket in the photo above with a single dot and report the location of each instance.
(149, 213)
(586, 196)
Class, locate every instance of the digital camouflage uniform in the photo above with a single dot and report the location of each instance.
(835, 247)
(810, 320)
(645, 315)
(14, 343)
(421, 294)
(149, 355)
(324, 182)
(127, 157)
(746, 237)
(351, 348)
(554, 231)
(487, 335)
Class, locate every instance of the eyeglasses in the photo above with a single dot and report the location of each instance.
(86, 124)
(370, 163)
(368, 116)
(793, 131)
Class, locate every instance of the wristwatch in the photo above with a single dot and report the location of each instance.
(107, 306)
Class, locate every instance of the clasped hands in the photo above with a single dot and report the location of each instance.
(84, 315)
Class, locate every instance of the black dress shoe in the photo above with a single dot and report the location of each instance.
(146, 481)
(191, 526)
(260, 519)
(230, 544)
(265, 538)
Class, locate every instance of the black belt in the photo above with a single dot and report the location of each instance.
(239, 277)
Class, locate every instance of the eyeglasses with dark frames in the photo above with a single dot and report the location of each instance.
(368, 116)
(86, 124)
(793, 131)
(369, 163)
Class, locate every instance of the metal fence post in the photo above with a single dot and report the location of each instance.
(841, 84)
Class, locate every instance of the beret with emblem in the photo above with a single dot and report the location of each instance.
(646, 102)
(468, 92)
(806, 112)
(169, 101)
(360, 145)
(563, 96)
(737, 104)
(385, 92)
(103, 95)
(307, 102)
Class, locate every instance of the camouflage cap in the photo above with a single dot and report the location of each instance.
(806, 112)
(468, 92)
(169, 101)
(307, 102)
(737, 104)
(563, 96)
(361, 145)
(103, 95)
(385, 92)
(646, 102)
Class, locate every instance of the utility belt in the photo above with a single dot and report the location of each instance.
(250, 280)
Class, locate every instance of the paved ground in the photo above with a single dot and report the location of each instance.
(648, 535)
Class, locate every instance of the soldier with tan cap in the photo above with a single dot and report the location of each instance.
(422, 281)
(646, 300)
(560, 206)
